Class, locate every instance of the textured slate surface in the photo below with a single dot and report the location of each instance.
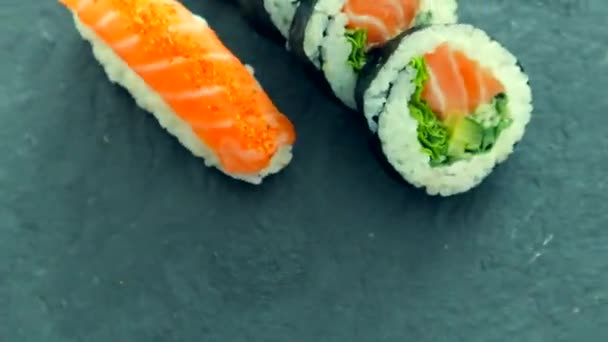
(110, 230)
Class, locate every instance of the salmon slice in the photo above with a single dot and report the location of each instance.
(182, 59)
(382, 19)
(457, 84)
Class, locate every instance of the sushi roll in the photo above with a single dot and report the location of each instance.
(272, 15)
(447, 102)
(337, 35)
(175, 67)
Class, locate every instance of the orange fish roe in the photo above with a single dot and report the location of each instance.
(167, 31)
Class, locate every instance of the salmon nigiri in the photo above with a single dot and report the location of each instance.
(336, 36)
(177, 68)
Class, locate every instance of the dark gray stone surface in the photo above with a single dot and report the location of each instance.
(109, 229)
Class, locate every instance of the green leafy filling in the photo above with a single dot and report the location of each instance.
(423, 18)
(499, 119)
(358, 41)
(455, 139)
(432, 134)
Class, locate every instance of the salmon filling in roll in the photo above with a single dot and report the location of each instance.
(337, 35)
(447, 103)
(460, 107)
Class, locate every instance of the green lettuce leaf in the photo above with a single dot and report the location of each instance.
(358, 41)
(435, 135)
(423, 18)
(432, 134)
(491, 134)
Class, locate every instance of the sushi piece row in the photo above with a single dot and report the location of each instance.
(445, 102)
(335, 36)
(175, 67)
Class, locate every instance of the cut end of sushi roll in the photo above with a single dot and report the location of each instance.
(281, 13)
(270, 17)
(246, 146)
(448, 104)
(336, 36)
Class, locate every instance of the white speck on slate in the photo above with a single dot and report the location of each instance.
(47, 36)
(31, 139)
(535, 257)
(548, 239)
(41, 272)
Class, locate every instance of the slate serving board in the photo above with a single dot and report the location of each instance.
(111, 231)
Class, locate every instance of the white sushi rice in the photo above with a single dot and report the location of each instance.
(325, 42)
(397, 129)
(120, 73)
(281, 13)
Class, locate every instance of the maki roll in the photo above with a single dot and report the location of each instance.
(176, 67)
(337, 35)
(447, 103)
(274, 16)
